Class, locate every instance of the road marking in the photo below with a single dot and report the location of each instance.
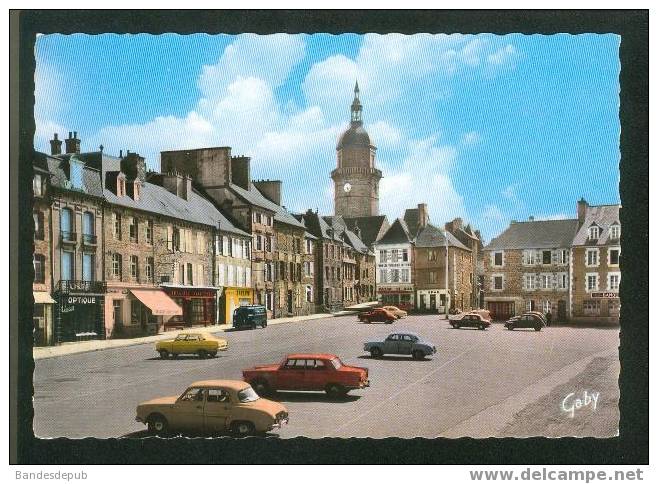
(403, 389)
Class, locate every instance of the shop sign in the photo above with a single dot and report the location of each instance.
(385, 289)
(244, 292)
(604, 295)
(189, 293)
(432, 291)
(81, 300)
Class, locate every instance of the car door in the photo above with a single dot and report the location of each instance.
(291, 375)
(391, 344)
(316, 374)
(179, 344)
(404, 344)
(217, 410)
(188, 410)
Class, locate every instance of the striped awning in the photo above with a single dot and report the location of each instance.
(42, 297)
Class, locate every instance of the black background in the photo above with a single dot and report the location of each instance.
(631, 447)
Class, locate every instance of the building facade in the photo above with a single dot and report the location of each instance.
(356, 179)
(596, 258)
(527, 268)
(394, 254)
(471, 239)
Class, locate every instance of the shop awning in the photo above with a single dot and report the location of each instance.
(41, 297)
(158, 302)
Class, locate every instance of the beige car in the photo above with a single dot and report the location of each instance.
(213, 407)
(397, 312)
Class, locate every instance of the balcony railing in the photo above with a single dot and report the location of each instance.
(76, 286)
(70, 237)
(88, 239)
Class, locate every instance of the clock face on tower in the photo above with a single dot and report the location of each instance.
(347, 187)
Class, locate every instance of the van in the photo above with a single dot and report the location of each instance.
(250, 317)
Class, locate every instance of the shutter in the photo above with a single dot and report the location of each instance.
(554, 256)
(537, 281)
(538, 257)
(554, 280)
(170, 234)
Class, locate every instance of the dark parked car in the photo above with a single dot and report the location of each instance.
(400, 344)
(377, 315)
(471, 320)
(250, 317)
(532, 320)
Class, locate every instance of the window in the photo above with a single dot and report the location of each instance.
(594, 232)
(117, 226)
(134, 266)
(498, 259)
(190, 275)
(150, 269)
(309, 246)
(405, 255)
(562, 280)
(592, 282)
(404, 275)
(546, 257)
(591, 307)
(528, 257)
(563, 256)
(38, 224)
(268, 300)
(116, 265)
(133, 229)
(498, 283)
(431, 255)
(546, 281)
(66, 224)
(530, 305)
(268, 244)
(37, 185)
(592, 257)
(615, 231)
(395, 275)
(67, 266)
(196, 310)
(613, 257)
(192, 395)
(613, 307)
(309, 294)
(382, 256)
(259, 218)
(88, 228)
(87, 267)
(394, 255)
(117, 312)
(432, 277)
(613, 281)
(39, 262)
(528, 282)
(259, 242)
(218, 395)
(76, 174)
(268, 272)
(338, 273)
(200, 249)
(148, 232)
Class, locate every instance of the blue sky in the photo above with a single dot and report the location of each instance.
(488, 128)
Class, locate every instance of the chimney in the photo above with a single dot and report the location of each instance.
(72, 143)
(582, 211)
(55, 145)
(240, 173)
(271, 189)
(423, 217)
(171, 182)
(134, 166)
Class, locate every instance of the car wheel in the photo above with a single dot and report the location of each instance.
(510, 327)
(376, 352)
(334, 390)
(213, 354)
(157, 424)
(418, 355)
(389, 321)
(537, 328)
(264, 325)
(261, 387)
(456, 325)
(482, 327)
(242, 428)
(164, 354)
(202, 354)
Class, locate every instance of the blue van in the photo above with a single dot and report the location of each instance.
(250, 316)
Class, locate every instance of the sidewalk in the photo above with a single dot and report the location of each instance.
(97, 345)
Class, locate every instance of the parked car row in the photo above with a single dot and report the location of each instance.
(481, 319)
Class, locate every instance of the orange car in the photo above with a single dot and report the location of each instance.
(396, 311)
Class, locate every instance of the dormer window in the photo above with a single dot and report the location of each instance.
(37, 185)
(76, 173)
(615, 231)
(121, 186)
(594, 232)
(136, 190)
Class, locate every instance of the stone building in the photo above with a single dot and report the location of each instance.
(472, 239)
(68, 252)
(394, 260)
(527, 268)
(356, 179)
(595, 259)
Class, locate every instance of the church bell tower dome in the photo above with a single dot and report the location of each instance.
(356, 180)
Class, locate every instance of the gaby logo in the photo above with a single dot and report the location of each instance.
(573, 402)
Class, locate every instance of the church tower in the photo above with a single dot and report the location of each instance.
(356, 180)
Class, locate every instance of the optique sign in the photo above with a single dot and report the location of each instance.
(81, 300)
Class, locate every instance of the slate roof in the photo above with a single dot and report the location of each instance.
(370, 227)
(411, 219)
(602, 215)
(397, 233)
(540, 234)
(431, 236)
(349, 237)
(156, 199)
(57, 168)
(255, 197)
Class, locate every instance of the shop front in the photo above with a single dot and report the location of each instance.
(231, 298)
(400, 296)
(43, 318)
(198, 305)
(79, 313)
(432, 301)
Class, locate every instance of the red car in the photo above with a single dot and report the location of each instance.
(377, 315)
(307, 371)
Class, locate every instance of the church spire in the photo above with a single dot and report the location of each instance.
(356, 106)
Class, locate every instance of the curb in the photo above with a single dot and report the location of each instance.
(66, 349)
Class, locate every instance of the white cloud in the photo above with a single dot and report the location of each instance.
(503, 55)
(471, 138)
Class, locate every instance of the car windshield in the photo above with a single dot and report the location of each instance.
(247, 395)
(337, 363)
